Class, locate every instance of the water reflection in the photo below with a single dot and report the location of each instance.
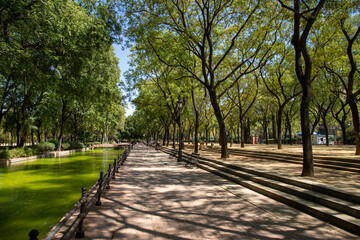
(37, 193)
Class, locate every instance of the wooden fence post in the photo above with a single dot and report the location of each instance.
(98, 202)
(108, 177)
(114, 169)
(80, 231)
(33, 234)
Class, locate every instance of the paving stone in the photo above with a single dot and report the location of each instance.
(154, 197)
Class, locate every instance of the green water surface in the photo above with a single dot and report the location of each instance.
(37, 194)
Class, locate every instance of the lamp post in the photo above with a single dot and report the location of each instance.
(179, 107)
(231, 126)
(156, 141)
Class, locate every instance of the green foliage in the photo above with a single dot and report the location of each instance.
(19, 152)
(44, 147)
(58, 67)
(5, 154)
(77, 145)
(65, 146)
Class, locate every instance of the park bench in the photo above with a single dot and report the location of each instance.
(192, 160)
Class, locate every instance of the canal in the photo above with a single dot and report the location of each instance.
(37, 194)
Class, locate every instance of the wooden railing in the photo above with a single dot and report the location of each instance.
(75, 217)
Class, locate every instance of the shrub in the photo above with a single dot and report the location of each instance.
(44, 147)
(65, 146)
(18, 152)
(5, 154)
(54, 141)
(77, 145)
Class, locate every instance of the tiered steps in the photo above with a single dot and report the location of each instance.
(329, 204)
(352, 165)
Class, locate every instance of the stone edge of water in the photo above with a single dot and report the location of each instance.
(50, 154)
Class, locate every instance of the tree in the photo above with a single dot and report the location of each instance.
(304, 18)
(280, 82)
(212, 41)
(345, 41)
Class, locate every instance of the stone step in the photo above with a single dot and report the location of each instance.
(353, 166)
(332, 216)
(340, 205)
(310, 185)
(298, 156)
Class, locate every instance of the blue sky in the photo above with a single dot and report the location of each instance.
(123, 64)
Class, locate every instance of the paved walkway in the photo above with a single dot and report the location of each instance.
(157, 198)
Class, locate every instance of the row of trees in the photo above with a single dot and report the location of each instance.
(246, 63)
(58, 72)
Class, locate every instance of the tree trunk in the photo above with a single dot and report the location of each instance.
(290, 130)
(62, 125)
(273, 126)
(164, 138)
(206, 134)
(174, 135)
(222, 127)
(266, 135)
(76, 133)
(279, 123)
(355, 116)
(343, 131)
(326, 131)
(196, 131)
(168, 136)
(58, 147)
(308, 162)
(32, 138)
(242, 133)
(38, 135)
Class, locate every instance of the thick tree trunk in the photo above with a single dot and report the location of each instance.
(32, 138)
(279, 123)
(308, 162)
(326, 131)
(343, 131)
(290, 130)
(355, 116)
(174, 135)
(38, 135)
(222, 127)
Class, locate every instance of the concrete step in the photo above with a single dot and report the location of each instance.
(310, 185)
(334, 217)
(317, 157)
(353, 166)
(354, 161)
(338, 204)
(331, 161)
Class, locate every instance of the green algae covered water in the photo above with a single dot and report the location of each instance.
(36, 194)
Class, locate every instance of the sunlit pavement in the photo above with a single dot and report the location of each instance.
(154, 197)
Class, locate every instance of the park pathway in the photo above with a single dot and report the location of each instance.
(154, 197)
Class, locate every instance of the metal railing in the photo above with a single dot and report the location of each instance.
(80, 210)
